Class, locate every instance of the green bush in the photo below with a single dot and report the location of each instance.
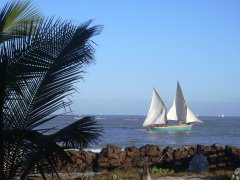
(115, 177)
(155, 170)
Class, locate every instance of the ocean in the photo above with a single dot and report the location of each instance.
(126, 130)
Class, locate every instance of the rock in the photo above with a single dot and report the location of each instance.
(198, 163)
(133, 149)
(103, 164)
(177, 155)
(78, 161)
(231, 150)
(152, 150)
(236, 174)
(169, 150)
(190, 152)
(208, 150)
(127, 163)
(221, 153)
(122, 156)
(113, 157)
(221, 165)
(218, 147)
(184, 154)
(212, 166)
(129, 153)
(114, 162)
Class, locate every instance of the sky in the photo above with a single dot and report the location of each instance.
(152, 44)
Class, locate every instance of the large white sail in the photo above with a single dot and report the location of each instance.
(191, 117)
(178, 110)
(157, 111)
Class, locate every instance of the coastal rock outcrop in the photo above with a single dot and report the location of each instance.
(82, 161)
(177, 158)
(110, 157)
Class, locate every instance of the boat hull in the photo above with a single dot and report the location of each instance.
(172, 128)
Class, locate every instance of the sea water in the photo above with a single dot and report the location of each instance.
(127, 130)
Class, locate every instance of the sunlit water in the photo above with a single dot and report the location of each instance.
(127, 130)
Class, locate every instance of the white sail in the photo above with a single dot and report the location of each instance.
(178, 110)
(162, 119)
(172, 115)
(191, 116)
(157, 111)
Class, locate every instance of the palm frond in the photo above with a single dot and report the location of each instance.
(63, 50)
(49, 149)
(66, 64)
(79, 134)
(14, 14)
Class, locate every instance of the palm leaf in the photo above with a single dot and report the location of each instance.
(79, 134)
(15, 14)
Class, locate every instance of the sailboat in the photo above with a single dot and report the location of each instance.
(157, 117)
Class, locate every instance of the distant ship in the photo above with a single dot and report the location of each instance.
(157, 117)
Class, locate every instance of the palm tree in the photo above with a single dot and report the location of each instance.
(17, 13)
(12, 16)
(38, 68)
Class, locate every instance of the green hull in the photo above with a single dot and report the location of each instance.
(172, 128)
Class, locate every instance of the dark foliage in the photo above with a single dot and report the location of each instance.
(38, 69)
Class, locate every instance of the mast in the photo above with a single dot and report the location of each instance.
(157, 111)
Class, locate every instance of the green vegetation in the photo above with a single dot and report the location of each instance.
(40, 60)
(155, 170)
(126, 174)
(18, 14)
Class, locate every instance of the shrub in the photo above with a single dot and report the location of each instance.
(155, 170)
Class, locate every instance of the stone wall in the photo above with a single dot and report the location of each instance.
(112, 157)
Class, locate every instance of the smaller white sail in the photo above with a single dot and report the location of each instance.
(172, 115)
(157, 111)
(162, 119)
(191, 117)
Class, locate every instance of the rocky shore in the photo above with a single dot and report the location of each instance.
(176, 158)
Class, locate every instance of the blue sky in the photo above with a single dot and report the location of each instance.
(146, 44)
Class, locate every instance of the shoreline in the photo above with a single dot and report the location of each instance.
(113, 158)
(98, 149)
